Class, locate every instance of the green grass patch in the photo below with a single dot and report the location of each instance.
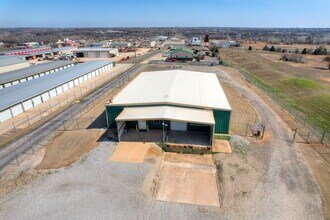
(222, 137)
(299, 83)
(183, 150)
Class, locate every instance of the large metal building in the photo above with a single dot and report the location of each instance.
(22, 75)
(24, 96)
(95, 52)
(173, 100)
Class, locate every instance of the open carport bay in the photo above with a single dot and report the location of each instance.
(178, 137)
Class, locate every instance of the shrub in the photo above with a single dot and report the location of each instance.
(278, 50)
(266, 48)
(320, 51)
(250, 48)
(304, 51)
(292, 57)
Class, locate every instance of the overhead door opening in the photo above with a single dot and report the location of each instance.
(178, 126)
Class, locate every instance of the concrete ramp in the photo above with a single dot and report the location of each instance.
(186, 178)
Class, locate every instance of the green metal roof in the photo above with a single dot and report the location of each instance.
(181, 49)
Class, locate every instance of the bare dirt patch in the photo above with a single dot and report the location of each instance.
(68, 147)
(134, 152)
(221, 146)
(187, 179)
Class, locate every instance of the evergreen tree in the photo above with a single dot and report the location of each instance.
(272, 49)
(266, 48)
(304, 51)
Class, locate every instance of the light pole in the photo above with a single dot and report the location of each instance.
(164, 125)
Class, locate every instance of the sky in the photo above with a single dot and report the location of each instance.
(165, 13)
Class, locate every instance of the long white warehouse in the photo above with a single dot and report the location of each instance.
(22, 75)
(21, 97)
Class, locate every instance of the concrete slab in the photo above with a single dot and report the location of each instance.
(189, 179)
(134, 152)
(221, 146)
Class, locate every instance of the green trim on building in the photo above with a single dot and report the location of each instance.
(222, 120)
(112, 113)
(221, 117)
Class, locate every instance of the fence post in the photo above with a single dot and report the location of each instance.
(27, 116)
(40, 112)
(14, 126)
(294, 135)
(307, 136)
(63, 123)
(323, 135)
(246, 130)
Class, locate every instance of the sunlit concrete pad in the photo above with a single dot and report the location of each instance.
(130, 152)
(221, 146)
(189, 179)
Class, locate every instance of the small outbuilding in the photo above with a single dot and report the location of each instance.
(177, 105)
(182, 54)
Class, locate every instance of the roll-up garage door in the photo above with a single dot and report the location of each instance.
(52, 93)
(71, 84)
(17, 109)
(27, 105)
(65, 87)
(76, 82)
(59, 90)
(37, 100)
(104, 54)
(5, 115)
(45, 96)
(91, 54)
(178, 126)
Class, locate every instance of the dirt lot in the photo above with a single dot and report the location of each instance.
(69, 146)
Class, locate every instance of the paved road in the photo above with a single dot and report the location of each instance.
(21, 145)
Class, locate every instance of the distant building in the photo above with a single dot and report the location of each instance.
(161, 38)
(95, 52)
(195, 41)
(11, 63)
(148, 43)
(120, 44)
(32, 44)
(181, 54)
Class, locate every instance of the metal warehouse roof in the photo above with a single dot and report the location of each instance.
(177, 87)
(91, 49)
(30, 71)
(23, 49)
(6, 61)
(23, 91)
(58, 49)
(167, 113)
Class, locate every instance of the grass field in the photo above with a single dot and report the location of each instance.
(303, 87)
